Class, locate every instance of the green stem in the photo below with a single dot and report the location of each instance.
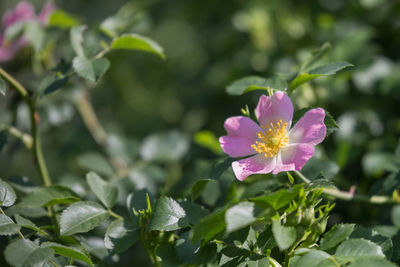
(287, 259)
(15, 84)
(19, 232)
(37, 148)
(113, 214)
(343, 195)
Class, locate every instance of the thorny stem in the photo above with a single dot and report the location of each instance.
(343, 195)
(19, 232)
(37, 148)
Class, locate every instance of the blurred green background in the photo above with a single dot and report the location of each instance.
(209, 44)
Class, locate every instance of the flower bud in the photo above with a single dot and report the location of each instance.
(308, 217)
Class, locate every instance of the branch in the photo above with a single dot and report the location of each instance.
(343, 195)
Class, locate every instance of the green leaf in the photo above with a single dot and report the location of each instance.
(396, 215)
(88, 69)
(76, 36)
(92, 161)
(209, 227)
(328, 69)
(3, 87)
(198, 188)
(190, 253)
(335, 235)
(194, 212)
(68, 252)
(52, 84)
(258, 263)
(239, 216)
(120, 236)
(353, 249)
(284, 235)
(50, 195)
(62, 19)
(313, 259)
(167, 253)
(28, 224)
(372, 262)
(315, 57)
(251, 83)
(167, 146)
(7, 226)
(7, 194)
(279, 198)
(82, 217)
(208, 140)
(134, 41)
(35, 34)
(168, 215)
(107, 194)
(24, 252)
(329, 121)
(372, 235)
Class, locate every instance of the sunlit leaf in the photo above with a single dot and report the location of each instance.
(168, 215)
(105, 192)
(284, 235)
(82, 217)
(62, 19)
(239, 216)
(135, 41)
(252, 83)
(7, 194)
(50, 195)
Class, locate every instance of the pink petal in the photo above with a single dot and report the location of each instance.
(242, 133)
(310, 128)
(257, 164)
(23, 11)
(236, 146)
(274, 108)
(293, 157)
(7, 53)
(241, 126)
(48, 8)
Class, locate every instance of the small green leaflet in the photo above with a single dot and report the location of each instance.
(168, 215)
(105, 192)
(135, 41)
(251, 83)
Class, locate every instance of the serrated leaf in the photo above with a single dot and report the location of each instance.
(335, 235)
(252, 83)
(76, 37)
(134, 41)
(88, 69)
(120, 236)
(62, 19)
(209, 226)
(52, 84)
(27, 224)
(50, 195)
(372, 235)
(194, 212)
(68, 252)
(279, 198)
(7, 194)
(3, 87)
(189, 253)
(328, 69)
(372, 262)
(105, 192)
(329, 121)
(24, 252)
(7, 226)
(313, 259)
(168, 215)
(353, 249)
(239, 216)
(284, 235)
(82, 217)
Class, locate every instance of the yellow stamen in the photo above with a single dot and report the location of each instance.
(271, 139)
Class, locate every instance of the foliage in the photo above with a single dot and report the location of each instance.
(156, 177)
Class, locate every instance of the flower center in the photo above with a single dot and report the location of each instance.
(271, 139)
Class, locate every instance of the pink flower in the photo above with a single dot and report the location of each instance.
(272, 146)
(24, 11)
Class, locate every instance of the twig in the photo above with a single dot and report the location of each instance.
(343, 195)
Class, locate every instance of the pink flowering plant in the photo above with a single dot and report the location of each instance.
(80, 189)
